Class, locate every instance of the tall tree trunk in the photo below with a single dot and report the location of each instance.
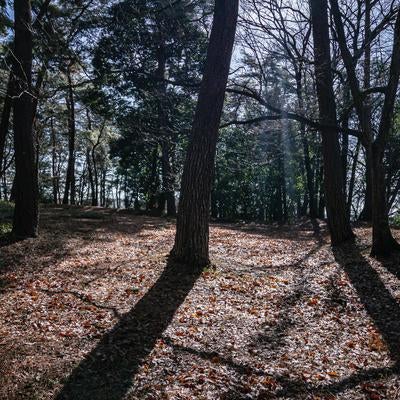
(90, 177)
(192, 233)
(345, 139)
(306, 151)
(92, 165)
(168, 179)
(366, 213)
(152, 183)
(5, 120)
(69, 193)
(352, 180)
(103, 195)
(321, 191)
(26, 214)
(54, 172)
(383, 242)
(13, 189)
(339, 225)
(168, 195)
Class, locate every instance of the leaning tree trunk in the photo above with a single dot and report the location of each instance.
(26, 214)
(192, 233)
(339, 225)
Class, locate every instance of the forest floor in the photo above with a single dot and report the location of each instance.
(93, 310)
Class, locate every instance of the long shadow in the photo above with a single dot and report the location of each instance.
(393, 265)
(107, 371)
(300, 231)
(290, 387)
(382, 308)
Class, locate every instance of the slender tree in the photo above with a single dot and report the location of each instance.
(338, 222)
(383, 241)
(192, 234)
(26, 215)
(70, 190)
(5, 119)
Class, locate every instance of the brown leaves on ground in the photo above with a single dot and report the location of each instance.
(93, 310)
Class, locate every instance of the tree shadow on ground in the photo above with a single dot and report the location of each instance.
(383, 310)
(273, 337)
(290, 388)
(380, 306)
(107, 371)
(302, 230)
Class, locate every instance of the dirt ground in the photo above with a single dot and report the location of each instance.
(93, 310)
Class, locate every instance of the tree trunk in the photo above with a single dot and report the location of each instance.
(90, 177)
(168, 195)
(352, 180)
(168, 179)
(69, 193)
(91, 165)
(13, 189)
(152, 183)
(321, 202)
(339, 225)
(26, 214)
(383, 242)
(366, 213)
(54, 172)
(306, 151)
(103, 194)
(5, 120)
(192, 234)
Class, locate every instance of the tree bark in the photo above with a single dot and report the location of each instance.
(383, 242)
(70, 190)
(366, 213)
(26, 214)
(54, 172)
(306, 151)
(167, 196)
(91, 164)
(339, 225)
(5, 120)
(352, 180)
(168, 179)
(192, 234)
